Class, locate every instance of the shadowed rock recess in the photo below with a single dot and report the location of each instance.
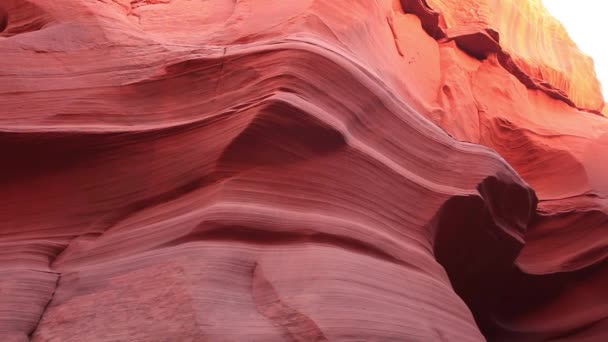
(311, 170)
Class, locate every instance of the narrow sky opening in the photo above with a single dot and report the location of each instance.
(586, 23)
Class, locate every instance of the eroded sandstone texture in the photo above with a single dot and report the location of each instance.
(311, 170)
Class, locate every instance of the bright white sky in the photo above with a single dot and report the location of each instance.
(587, 25)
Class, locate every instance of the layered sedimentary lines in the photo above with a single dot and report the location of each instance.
(254, 170)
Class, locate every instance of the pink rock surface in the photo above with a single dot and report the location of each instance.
(319, 170)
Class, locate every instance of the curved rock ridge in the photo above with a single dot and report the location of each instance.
(317, 170)
(531, 44)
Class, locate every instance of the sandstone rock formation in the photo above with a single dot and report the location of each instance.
(314, 170)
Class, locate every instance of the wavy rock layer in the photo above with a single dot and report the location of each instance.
(269, 171)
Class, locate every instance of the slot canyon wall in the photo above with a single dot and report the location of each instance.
(311, 170)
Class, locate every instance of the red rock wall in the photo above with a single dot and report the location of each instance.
(312, 170)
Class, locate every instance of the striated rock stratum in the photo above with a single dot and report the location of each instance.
(311, 170)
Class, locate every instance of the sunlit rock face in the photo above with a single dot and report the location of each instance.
(317, 170)
(530, 43)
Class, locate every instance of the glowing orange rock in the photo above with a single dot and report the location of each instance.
(533, 45)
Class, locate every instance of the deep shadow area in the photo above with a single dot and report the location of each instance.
(477, 239)
(480, 259)
(3, 20)
(280, 134)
